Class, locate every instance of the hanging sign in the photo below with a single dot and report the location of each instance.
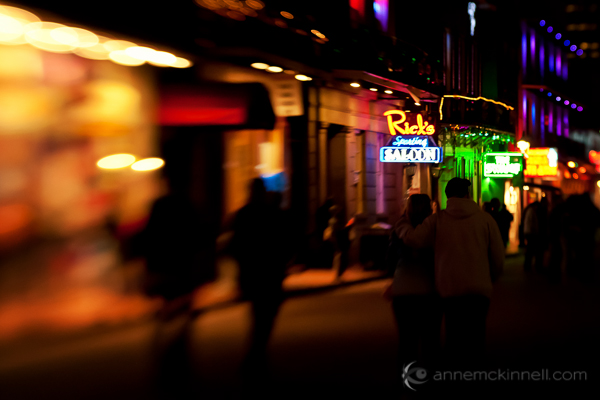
(542, 162)
(400, 123)
(502, 165)
(411, 149)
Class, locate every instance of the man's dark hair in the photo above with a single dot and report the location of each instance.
(457, 187)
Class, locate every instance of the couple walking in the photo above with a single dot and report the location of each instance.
(448, 261)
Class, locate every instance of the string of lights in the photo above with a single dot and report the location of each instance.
(473, 99)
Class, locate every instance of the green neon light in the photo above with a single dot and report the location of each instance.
(504, 165)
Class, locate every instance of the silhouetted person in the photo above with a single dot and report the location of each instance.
(173, 243)
(582, 220)
(415, 301)
(325, 246)
(341, 236)
(504, 218)
(556, 238)
(260, 245)
(469, 256)
(535, 229)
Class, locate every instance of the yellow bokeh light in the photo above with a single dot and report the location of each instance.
(97, 52)
(355, 84)
(598, 183)
(373, 89)
(162, 59)
(116, 161)
(182, 63)
(275, 69)
(259, 65)
(148, 164)
(301, 77)
(86, 38)
(121, 57)
(389, 92)
(571, 164)
(18, 14)
(114, 45)
(11, 30)
(64, 35)
(39, 34)
(140, 52)
(12, 24)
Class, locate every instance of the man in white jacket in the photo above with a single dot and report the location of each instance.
(469, 256)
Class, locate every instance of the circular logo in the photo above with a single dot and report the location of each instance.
(413, 375)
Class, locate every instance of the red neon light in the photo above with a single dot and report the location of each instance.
(421, 128)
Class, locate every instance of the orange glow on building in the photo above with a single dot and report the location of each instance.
(420, 128)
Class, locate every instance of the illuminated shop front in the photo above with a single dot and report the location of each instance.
(79, 159)
(478, 154)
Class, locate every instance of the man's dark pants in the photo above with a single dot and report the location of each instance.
(465, 324)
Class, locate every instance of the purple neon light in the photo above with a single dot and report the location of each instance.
(557, 98)
(566, 124)
(579, 52)
(525, 110)
(558, 63)
(558, 122)
(524, 51)
(567, 42)
(579, 108)
(381, 12)
(573, 106)
(549, 29)
(549, 94)
(573, 48)
(542, 60)
(566, 102)
(542, 23)
(532, 46)
(558, 36)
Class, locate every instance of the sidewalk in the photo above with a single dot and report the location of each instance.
(82, 308)
(76, 309)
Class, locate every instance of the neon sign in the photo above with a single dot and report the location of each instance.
(502, 165)
(542, 162)
(413, 149)
(419, 127)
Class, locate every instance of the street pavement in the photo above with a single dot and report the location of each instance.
(328, 344)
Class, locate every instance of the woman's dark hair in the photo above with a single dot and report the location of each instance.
(418, 208)
(258, 192)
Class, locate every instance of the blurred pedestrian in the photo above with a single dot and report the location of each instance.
(174, 245)
(261, 247)
(341, 232)
(535, 229)
(504, 218)
(556, 238)
(581, 223)
(469, 257)
(415, 302)
(324, 240)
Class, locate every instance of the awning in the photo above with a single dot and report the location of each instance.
(220, 104)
